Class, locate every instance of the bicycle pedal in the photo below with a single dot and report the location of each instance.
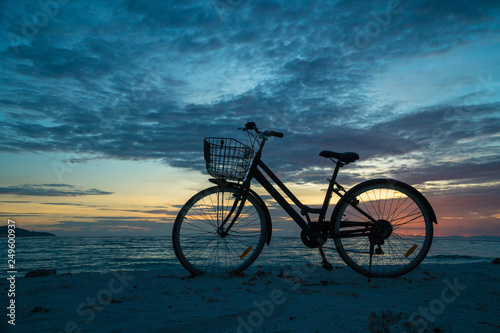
(326, 265)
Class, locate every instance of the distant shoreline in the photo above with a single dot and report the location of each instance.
(20, 232)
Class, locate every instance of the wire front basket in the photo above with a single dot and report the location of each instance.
(227, 158)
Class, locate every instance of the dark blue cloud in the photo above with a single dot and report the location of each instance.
(61, 204)
(51, 190)
(132, 80)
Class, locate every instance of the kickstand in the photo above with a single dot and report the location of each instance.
(325, 264)
(372, 246)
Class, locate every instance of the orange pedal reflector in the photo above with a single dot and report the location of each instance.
(246, 252)
(411, 250)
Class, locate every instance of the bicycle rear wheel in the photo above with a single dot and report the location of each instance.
(401, 235)
(197, 239)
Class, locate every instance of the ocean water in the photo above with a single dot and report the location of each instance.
(105, 254)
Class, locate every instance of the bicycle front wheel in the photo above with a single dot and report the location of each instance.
(401, 234)
(198, 240)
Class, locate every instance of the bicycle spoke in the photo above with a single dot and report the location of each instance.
(401, 230)
(201, 247)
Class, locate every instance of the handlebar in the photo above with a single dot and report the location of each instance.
(273, 133)
(251, 126)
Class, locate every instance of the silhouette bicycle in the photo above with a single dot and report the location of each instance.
(380, 227)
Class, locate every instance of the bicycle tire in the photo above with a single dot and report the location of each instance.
(197, 243)
(401, 210)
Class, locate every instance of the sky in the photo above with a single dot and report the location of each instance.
(104, 105)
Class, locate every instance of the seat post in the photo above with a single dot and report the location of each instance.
(329, 191)
(338, 165)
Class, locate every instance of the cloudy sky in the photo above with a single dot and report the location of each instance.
(104, 105)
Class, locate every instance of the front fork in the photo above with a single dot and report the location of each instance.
(239, 203)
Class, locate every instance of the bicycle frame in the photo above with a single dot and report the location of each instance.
(256, 173)
(259, 176)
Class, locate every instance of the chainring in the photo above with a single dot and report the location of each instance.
(322, 231)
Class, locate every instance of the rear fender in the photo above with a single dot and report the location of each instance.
(348, 196)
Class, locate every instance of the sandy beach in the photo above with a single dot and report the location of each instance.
(433, 298)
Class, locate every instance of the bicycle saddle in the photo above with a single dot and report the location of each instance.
(343, 157)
